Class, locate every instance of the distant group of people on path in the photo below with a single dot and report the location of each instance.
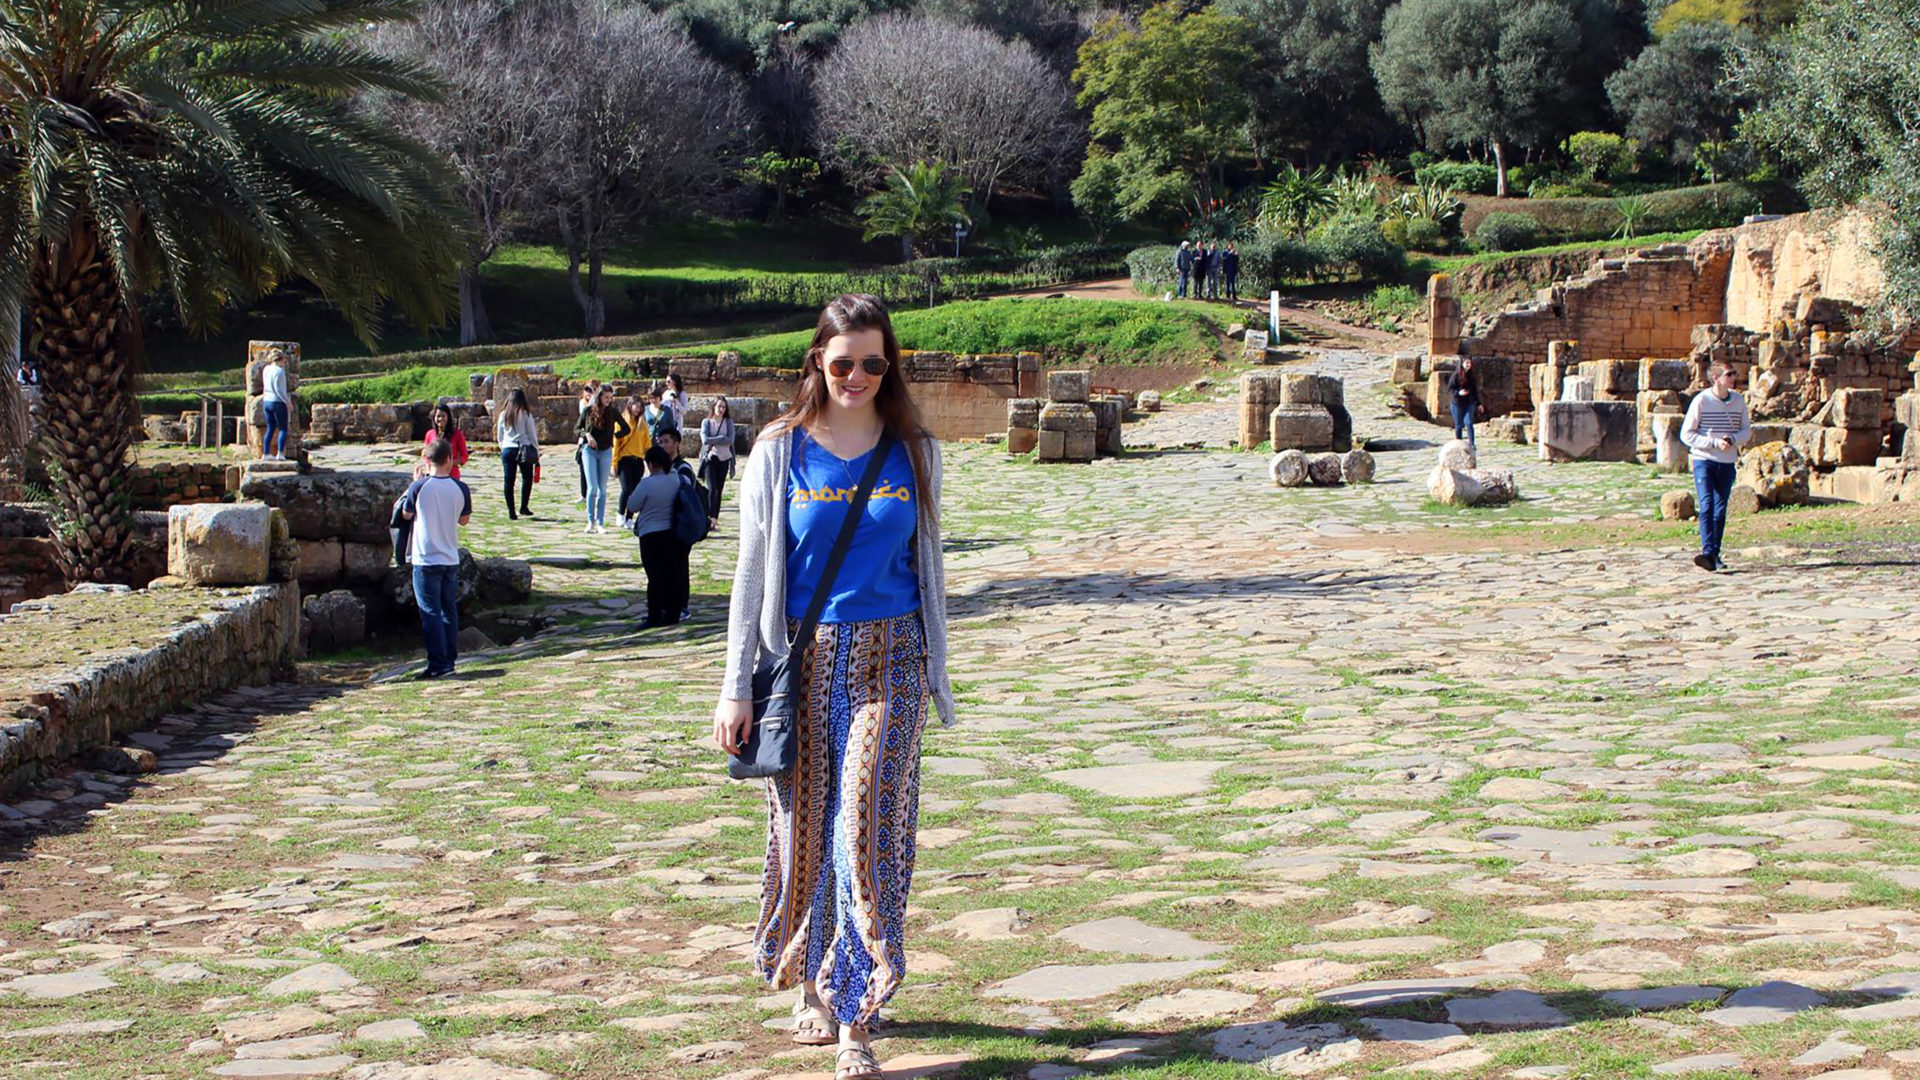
(1207, 265)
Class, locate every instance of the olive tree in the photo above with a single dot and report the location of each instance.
(1840, 99)
(901, 89)
(640, 127)
(484, 124)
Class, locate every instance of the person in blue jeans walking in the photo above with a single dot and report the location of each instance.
(1463, 392)
(437, 505)
(1715, 429)
(276, 405)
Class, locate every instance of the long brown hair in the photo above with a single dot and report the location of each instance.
(847, 314)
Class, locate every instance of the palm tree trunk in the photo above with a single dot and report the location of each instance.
(75, 309)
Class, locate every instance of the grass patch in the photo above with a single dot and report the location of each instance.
(1115, 332)
(1451, 263)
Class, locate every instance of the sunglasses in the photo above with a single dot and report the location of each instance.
(842, 366)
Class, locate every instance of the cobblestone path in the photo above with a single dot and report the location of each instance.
(1247, 781)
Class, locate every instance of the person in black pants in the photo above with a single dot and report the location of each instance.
(1230, 268)
(716, 455)
(661, 552)
(1463, 391)
(1202, 260)
(668, 440)
(519, 441)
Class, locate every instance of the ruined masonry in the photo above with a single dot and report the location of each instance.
(1072, 424)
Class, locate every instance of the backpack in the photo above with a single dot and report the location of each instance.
(690, 511)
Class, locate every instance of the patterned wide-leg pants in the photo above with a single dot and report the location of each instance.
(840, 830)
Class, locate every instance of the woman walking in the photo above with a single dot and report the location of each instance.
(441, 427)
(629, 454)
(674, 400)
(519, 441)
(716, 455)
(661, 552)
(1463, 391)
(276, 405)
(840, 842)
(599, 426)
(587, 396)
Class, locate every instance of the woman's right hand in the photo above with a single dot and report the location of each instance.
(732, 719)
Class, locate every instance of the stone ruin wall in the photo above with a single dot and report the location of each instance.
(960, 396)
(232, 637)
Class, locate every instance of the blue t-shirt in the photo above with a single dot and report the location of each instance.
(876, 581)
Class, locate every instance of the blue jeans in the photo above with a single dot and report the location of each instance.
(276, 417)
(596, 463)
(1712, 484)
(436, 589)
(1463, 418)
(1181, 289)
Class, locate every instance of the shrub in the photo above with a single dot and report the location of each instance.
(1421, 234)
(1562, 188)
(1357, 247)
(1602, 154)
(1470, 177)
(1507, 232)
(1266, 262)
(1152, 269)
(1710, 206)
(1394, 302)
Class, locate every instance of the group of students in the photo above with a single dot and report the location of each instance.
(1208, 265)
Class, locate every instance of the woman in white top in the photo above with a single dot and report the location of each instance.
(675, 401)
(716, 455)
(519, 443)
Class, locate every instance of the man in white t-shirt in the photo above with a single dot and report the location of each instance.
(1715, 428)
(438, 505)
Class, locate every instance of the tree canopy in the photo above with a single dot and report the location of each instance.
(1468, 71)
(1840, 94)
(1159, 112)
(1312, 88)
(1678, 92)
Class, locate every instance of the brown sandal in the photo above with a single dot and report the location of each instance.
(862, 1066)
(813, 1026)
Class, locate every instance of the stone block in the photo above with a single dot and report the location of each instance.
(1669, 453)
(1848, 446)
(1288, 469)
(1743, 500)
(1589, 431)
(1511, 429)
(365, 564)
(1576, 388)
(1472, 487)
(1259, 393)
(1022, 440)
(1406, 369)
(1323, 470)
(1068, 387)
(320, 563)
(1109, 412)
(1300, 388)
(1075, 427)
(1497, 392)
(1778, 474)
(333, 621)
(1356, 467)
(1024, 412)
(1665, 375)
(1766, 433)
(283, 551)
(1149, 401)
(1858, 410)
(504, 581)
(1333, 390)
(1613, 380)
(331, 505)
(1300, 427)
(219, 543)
(1678, 505)
(1457, 454)
(1439, 400)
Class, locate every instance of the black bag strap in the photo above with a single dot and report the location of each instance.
(841, 544)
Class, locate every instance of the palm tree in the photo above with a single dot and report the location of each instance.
(205, 147)
(918, 204)
(1293, 197)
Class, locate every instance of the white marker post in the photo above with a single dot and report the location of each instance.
(1273, 314)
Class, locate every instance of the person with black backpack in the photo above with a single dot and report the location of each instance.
(652, 508)
(689, 527)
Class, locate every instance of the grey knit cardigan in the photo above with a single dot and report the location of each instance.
(757, 620)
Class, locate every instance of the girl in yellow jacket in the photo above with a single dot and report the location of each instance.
(630, 451)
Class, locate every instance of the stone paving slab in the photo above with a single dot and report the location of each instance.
(1291, 793)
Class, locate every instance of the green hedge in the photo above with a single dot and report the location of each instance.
(1507, 232)
(972, 277)
(1708, 206)
(1346, 248)
(1465, 176)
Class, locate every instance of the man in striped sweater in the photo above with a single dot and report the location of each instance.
(1714, 430)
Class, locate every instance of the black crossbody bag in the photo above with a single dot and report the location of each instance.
(770, 746)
